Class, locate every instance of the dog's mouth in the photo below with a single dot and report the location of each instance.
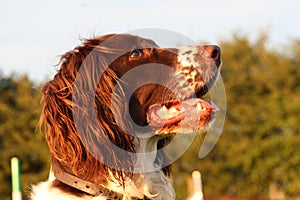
(189, 115)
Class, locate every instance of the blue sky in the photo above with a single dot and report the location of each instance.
(34, 33)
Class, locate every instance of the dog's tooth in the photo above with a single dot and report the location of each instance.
(198, 107)
(173, 110)
(163, 112)
(164, 108)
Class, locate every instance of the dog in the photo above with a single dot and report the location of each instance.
(114, 99)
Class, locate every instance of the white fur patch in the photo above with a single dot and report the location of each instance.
(44, 191)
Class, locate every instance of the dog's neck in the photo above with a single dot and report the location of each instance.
(148, 180)
(146, 154)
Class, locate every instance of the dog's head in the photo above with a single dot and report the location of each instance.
(131, 86)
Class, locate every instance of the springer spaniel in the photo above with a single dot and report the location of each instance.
(115, 103)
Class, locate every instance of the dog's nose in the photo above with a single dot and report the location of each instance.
(213, 52)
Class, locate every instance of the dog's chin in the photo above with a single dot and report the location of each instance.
(193, 115)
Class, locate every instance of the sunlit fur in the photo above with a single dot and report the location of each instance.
(86, 84)
(67, 150)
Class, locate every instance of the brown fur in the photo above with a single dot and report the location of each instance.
(68, 152)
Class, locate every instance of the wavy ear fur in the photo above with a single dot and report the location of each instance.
(81, 93)
(65, 142)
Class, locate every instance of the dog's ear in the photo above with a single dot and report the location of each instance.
(77, 114)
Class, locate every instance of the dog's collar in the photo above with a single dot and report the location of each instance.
(85, 186)
(75, 182)
(88, 187)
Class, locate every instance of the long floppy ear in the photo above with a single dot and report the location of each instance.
(77, 113)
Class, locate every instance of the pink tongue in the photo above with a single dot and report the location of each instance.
(175, 111)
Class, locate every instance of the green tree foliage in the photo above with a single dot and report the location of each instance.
(19, 113)
(259, 146)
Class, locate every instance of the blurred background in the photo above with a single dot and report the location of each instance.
(258, 153)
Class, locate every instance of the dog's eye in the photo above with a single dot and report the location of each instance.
(136, 53)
